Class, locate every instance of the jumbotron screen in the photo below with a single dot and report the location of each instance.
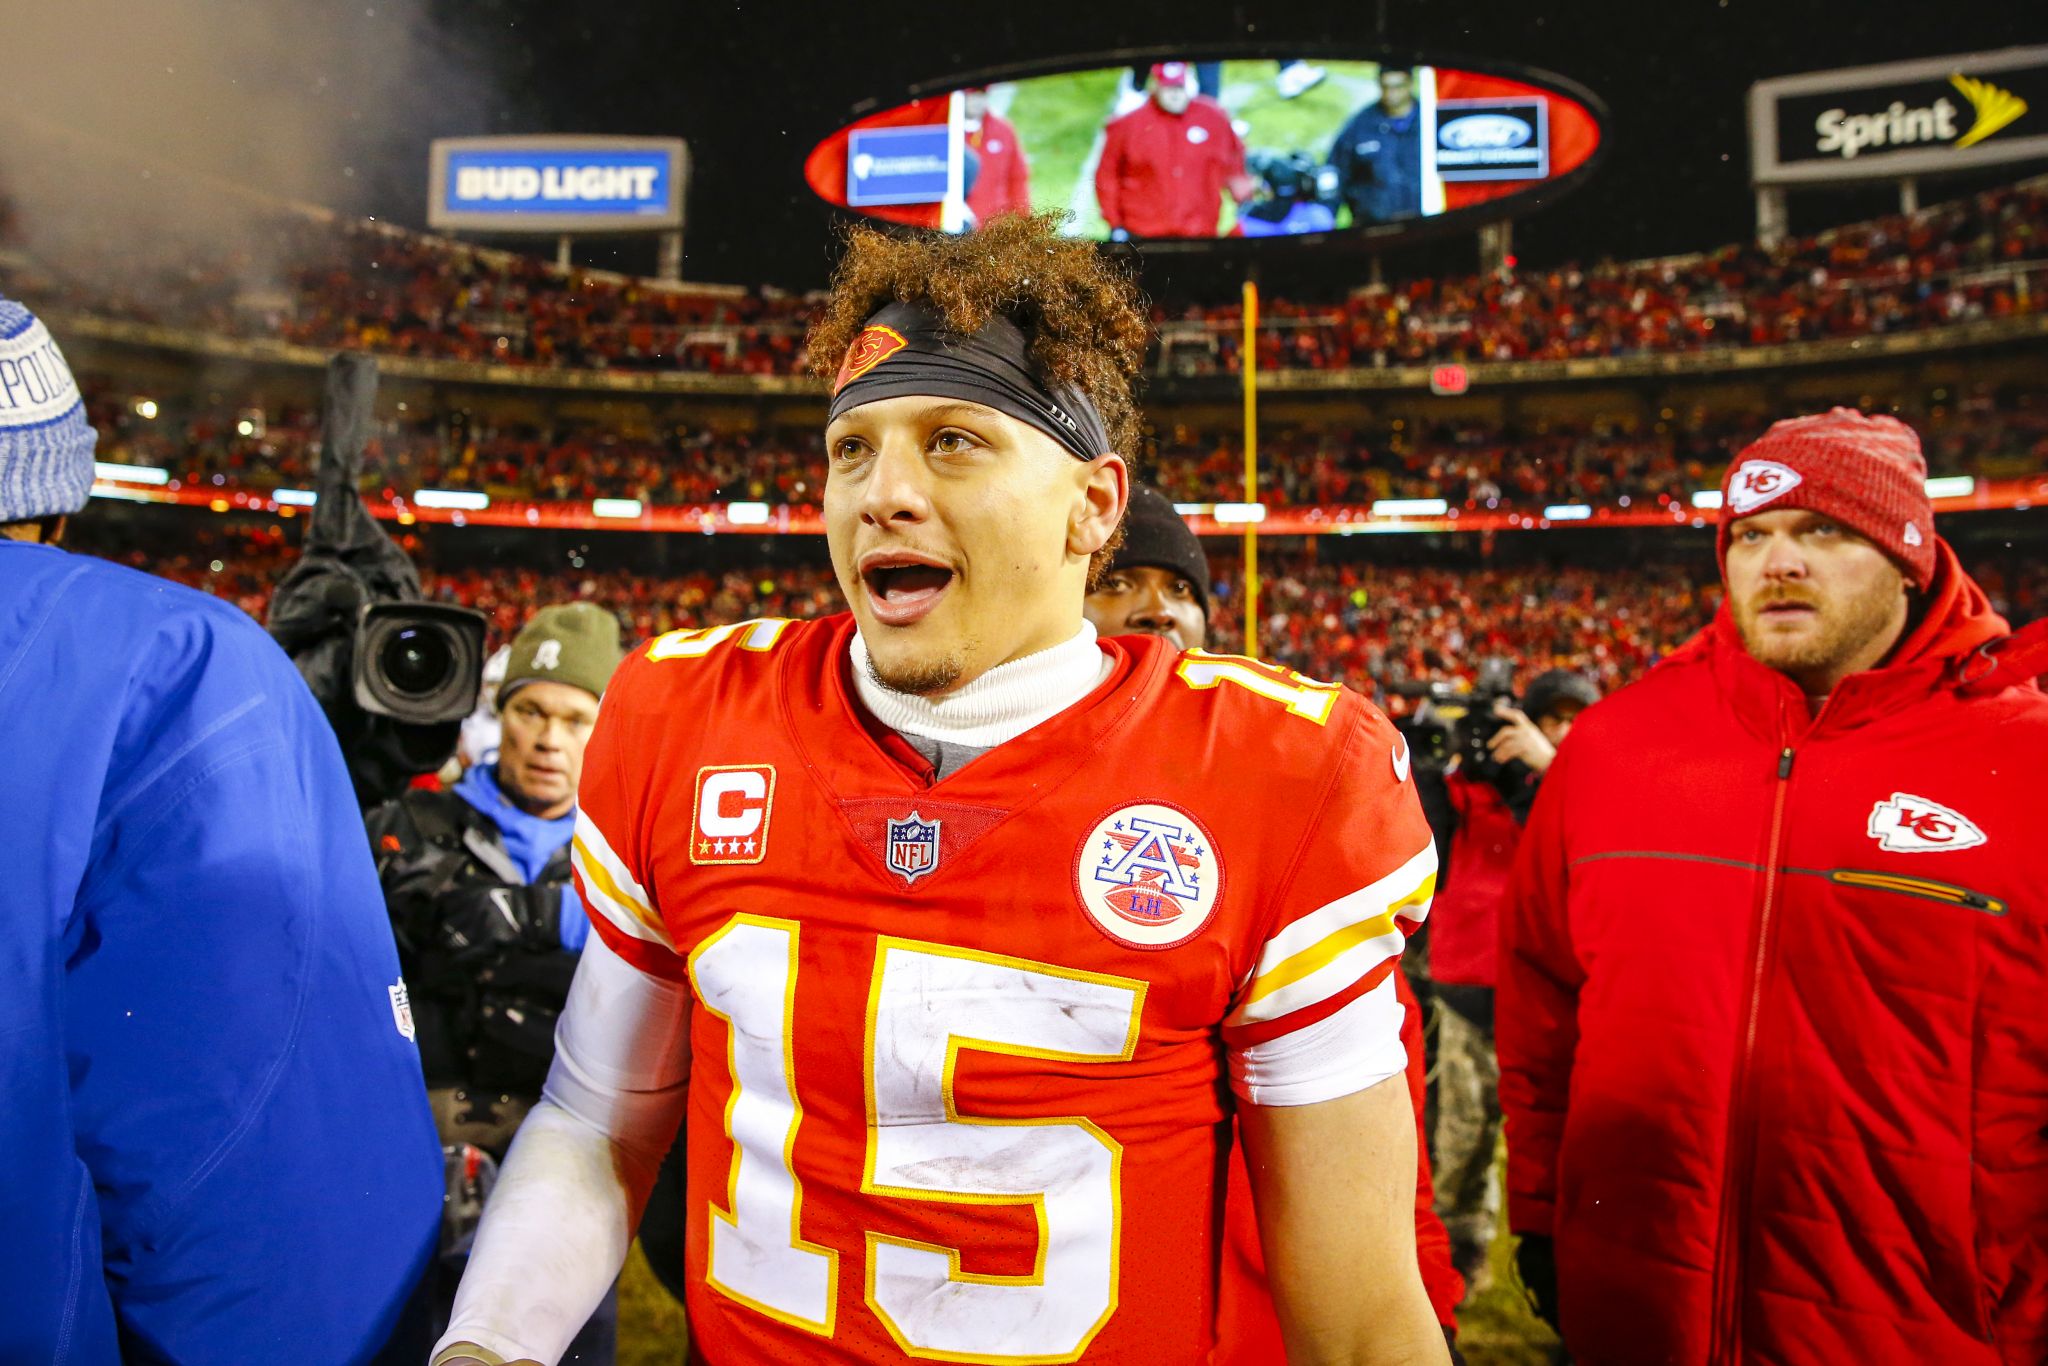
(1190, 150)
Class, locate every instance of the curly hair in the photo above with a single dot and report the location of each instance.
(1083, 315)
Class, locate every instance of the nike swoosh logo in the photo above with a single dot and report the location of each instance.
(1402, 758)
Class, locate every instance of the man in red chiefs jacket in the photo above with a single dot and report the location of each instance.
(1003, 184)
(1773, 1051)
(1166, 164)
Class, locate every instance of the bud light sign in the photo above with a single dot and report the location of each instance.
(556, 184)
(1492, 140)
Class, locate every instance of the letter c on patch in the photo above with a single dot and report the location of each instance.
(730, 804)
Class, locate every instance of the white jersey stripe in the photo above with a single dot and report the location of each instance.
(609, 890)
(592, 839)
(1327, 981)
(1345, 911)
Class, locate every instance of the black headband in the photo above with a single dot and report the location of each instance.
(907, 349)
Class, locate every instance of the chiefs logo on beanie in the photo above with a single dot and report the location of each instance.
(1865, 472)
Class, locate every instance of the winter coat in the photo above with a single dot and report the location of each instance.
(213, 1134)
(1464, 920)
(1164, 175)
(1774, 1051)
(489, 947)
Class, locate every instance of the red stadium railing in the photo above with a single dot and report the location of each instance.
(459, 508)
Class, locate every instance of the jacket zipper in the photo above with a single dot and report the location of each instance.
(1728, 1260)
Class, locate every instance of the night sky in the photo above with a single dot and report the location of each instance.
(753, 86)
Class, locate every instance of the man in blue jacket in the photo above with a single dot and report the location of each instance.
(215, 1137)
(1378, 154)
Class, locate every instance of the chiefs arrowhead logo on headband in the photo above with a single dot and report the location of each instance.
(874, 345)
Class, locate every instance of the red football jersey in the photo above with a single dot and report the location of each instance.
(958, 1088)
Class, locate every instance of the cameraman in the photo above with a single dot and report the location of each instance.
(489, 925)
(1477, 811)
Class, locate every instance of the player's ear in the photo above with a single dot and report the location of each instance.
(1104, 492)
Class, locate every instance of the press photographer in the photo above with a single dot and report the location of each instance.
(1480, 759)
(394, 674)
(488, 921)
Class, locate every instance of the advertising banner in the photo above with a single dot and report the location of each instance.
(557, 184)
(896, 166)
(1900, 119)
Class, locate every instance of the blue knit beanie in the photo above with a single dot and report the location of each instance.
(45, 442)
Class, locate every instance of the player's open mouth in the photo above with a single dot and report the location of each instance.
(903, 587)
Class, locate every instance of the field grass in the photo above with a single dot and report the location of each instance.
(652, 1331)
(1058, 123)
(1496, 1327)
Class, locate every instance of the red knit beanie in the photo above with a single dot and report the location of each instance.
(1865, 472)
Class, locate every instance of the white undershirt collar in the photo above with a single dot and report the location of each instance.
(1000, 705)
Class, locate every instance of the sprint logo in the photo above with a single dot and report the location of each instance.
(1995, 108)
(1900, 125)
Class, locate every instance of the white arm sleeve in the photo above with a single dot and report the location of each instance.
(1357, 1047)
(558, 1224)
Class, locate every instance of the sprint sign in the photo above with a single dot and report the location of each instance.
(733, 806)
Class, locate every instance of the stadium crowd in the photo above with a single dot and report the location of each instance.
(569, 460)
(371, 286)
(1385, 630)
(1972, 258)
(1470, 464)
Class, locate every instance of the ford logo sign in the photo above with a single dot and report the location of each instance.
(1475, 131)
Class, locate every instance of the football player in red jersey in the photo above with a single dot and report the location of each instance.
(950, 931)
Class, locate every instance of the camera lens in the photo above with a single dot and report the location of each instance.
(418, 663)
(416, 660)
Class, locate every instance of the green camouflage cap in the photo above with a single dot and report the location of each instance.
(577, 644)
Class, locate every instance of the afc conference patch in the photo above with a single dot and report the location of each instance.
(1148, 876)
(912, 849)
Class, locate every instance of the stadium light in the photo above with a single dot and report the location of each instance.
(1192, 509)
(1709, 499)
(295, 498)
(1567, 512)
(145, 408)
(1238, 514)
(452, 498)
(130, 474)
(628, 508)
(125, 495)
(1951, 486)
(747, 514)
(1410, 507)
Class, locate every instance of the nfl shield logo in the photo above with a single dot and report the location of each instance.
(913, 846)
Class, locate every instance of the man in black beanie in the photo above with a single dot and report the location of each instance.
(1158, 583)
